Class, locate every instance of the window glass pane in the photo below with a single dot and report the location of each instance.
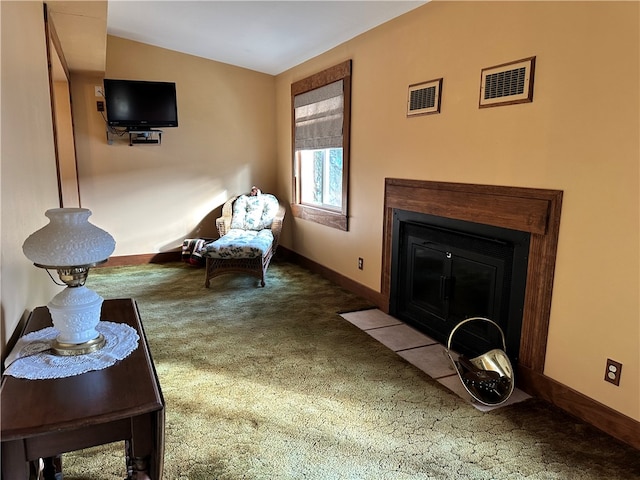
(334, 193)
(321, 177)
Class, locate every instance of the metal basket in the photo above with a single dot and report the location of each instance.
(488, 378)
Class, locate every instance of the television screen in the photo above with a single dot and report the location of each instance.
(139, 105)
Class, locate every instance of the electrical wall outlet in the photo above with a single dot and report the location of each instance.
(97, 89)
(100, 106)
(612, 374)
(360, 263)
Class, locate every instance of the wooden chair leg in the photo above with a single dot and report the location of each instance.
(255, 266)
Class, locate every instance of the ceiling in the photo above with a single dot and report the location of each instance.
(266, 36)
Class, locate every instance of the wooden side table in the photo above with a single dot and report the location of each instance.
(45, 418)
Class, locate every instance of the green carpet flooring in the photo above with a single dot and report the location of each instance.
(271, 383)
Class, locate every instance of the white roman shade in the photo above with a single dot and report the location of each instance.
(319, 115)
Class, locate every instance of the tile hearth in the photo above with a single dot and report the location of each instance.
(420, 350)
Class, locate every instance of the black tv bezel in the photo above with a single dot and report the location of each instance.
(141, 124)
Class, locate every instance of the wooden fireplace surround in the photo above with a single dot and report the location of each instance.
(532, 210)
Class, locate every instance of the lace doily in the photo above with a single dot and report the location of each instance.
(121, 340)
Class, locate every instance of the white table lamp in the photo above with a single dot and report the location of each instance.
(71, 245)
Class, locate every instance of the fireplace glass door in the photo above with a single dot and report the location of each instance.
(451, 283)
(442, 275)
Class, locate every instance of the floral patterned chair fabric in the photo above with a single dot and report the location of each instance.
(249, 230)
(238, 243)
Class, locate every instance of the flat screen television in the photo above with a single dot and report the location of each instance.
(140, 105)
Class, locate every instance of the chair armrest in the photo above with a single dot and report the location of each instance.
(223, 223)
(276, 225)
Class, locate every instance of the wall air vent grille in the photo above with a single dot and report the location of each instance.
(507, 84)
(504, 84)
(424, 98)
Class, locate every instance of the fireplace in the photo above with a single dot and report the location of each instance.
(534, 212)
(445, 270)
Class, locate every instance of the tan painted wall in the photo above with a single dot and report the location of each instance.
(580, 135)
(29, 182)
(65, 144)
(151, 197)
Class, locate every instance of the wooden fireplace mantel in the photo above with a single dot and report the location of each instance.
(532, 210)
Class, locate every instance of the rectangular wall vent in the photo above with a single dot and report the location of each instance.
(507, 84)
(504, 84)
(424, 98)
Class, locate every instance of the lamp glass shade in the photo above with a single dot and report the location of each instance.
(68, 240)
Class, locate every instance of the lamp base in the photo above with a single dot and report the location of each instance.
(69, 349)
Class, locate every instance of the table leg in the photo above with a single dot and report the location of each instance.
(52, 468)
(14, 461)
(140, 469)
(137, 467)
(145, 450)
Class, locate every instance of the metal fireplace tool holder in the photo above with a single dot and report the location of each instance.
(488, 378)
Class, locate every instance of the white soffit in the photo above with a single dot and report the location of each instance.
(82, 29)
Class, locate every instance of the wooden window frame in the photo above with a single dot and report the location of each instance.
(328, 217)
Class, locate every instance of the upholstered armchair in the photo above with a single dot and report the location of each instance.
(249, 231)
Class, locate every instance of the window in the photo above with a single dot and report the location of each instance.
(321, 177)
(321, 106)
